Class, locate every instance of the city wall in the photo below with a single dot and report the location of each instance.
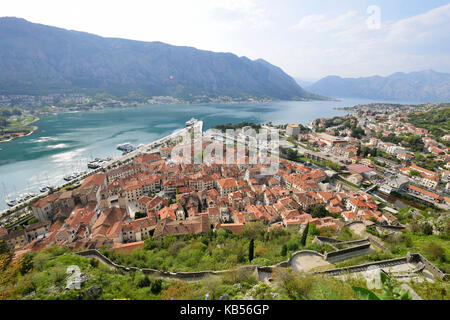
(258, 270)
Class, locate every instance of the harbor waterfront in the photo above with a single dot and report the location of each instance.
(65, 143)
(103, 164)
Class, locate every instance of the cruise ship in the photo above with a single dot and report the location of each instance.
(191, 122)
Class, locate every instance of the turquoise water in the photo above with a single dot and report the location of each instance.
(66, 142)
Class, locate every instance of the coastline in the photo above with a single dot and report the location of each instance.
(181, 103)
(34, 128)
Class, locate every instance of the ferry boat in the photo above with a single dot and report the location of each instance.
(93, 165)
(126, 147)
(191, 122)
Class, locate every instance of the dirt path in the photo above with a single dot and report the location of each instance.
(358, 228)
(306, 261)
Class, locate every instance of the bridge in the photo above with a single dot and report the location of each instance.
(371, 188)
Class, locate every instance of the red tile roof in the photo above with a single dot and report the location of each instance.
(227, 183)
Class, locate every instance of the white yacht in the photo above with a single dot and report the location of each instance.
(11, 203)
(191, 122)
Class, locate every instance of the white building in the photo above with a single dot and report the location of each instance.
(293, 130)
(395, 150)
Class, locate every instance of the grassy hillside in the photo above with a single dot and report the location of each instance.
(437, 121)
(43, 276)
(220, 250)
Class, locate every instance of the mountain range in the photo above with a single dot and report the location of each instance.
(40, 59)
(420, 86)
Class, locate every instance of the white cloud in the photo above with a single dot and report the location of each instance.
(237, 13)
(319, 23)
(345, 45)
(310, 22)
(431, 27)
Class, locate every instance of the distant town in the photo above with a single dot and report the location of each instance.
(18, 112)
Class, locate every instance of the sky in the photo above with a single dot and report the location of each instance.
(308, 39)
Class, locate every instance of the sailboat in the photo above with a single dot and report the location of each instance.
(10, 202)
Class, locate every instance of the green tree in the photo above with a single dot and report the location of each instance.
(32, 220)
(305, 235)
(156, 286)
(142, 281)
(293, 243)
(139, 215)
(6, 255)
(427, 229)
(319, 211)
(251, 250)
(284, 250)
(414, 173)
(148, 244)
(4, 247)
(94, 262)
(333, 165)
(357, 132)
(254, 230)
(291, 154)
(26, 263)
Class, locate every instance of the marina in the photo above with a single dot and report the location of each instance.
(76, 178)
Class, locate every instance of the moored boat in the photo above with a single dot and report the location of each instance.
(191, 122)
(11, 203)
(126, 147)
